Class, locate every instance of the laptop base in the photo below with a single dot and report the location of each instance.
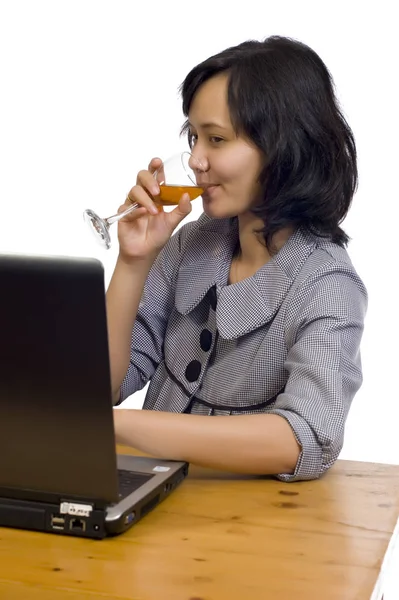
(84, 519)
(41, 516)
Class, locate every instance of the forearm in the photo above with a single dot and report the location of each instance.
(257, 444)
(123, 298)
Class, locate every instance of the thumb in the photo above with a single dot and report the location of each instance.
(181, 211)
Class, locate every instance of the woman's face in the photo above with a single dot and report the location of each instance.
(233, 163)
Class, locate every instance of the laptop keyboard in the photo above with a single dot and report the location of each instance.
(129, 481)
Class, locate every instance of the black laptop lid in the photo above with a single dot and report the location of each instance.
(56, 426)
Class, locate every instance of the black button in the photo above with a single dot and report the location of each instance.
(206, 340)
(212, 297)
(193, 370)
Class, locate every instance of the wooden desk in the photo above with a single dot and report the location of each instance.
(224, 537)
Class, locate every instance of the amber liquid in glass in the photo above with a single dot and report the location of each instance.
(171, 194)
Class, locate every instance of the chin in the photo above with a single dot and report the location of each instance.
(216, 214)
(214, 210)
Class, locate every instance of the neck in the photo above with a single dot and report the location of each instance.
(252, 246)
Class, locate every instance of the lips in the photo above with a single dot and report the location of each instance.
(208, 188)
(205, 184)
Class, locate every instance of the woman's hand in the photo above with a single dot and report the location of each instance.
(145, 231)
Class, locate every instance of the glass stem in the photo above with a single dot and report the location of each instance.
(120, 216)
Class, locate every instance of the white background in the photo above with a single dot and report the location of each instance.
(89, 93)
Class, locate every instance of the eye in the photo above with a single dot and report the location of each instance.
(192, 138)
(214, 139)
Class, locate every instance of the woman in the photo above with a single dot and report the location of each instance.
(254, 310)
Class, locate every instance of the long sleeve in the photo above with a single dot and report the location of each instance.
(324, 367)
(152, 318)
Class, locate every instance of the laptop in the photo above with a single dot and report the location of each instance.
(59, 471)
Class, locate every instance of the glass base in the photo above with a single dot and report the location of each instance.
(98, 227)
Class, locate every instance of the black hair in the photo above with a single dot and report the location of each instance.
(281, 96)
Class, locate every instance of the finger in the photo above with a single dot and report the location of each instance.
(181, 211)
(159, 176)
(155, 163)
(156, 169)
(138, 194)
(146, 180)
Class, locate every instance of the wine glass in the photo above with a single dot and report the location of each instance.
(176, 176)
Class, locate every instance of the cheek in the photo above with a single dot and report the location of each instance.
(237, 166)
(225, 167)
(234, 169)
(246, 163)
(246, 175)
(246, 188)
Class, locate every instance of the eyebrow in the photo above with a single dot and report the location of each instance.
(208, 125)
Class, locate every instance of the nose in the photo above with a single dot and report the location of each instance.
(198, 163)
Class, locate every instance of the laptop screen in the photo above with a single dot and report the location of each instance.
(56, 426)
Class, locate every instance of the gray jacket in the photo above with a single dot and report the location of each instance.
(284, 341)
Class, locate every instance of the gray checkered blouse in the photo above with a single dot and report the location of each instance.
(284, 341)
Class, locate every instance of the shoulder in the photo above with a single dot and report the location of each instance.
(307, 263)
(328, 284)
(331, 264)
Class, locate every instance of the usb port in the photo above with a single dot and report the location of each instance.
(57, 522)
(129, 518)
